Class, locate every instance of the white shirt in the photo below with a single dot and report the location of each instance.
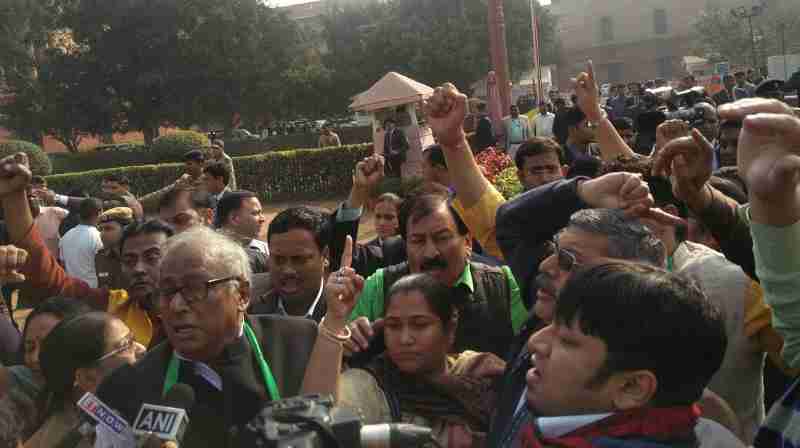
(78, 248)
(554, 427)
(543, 124)
(310, 313)
(259, 245)
(47, 222)
(219, 195)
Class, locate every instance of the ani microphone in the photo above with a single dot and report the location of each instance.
(164, 425)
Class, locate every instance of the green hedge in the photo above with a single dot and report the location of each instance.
(173, 146)
(304, 173)
(131, 154)
(40, 163)
(168, 148)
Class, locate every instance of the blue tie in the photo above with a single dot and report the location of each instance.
(521, 417)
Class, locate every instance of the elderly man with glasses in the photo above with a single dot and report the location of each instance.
(235, 363)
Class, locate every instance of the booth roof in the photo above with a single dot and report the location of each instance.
(392, 90)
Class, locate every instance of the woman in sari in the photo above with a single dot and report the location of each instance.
(416, 380)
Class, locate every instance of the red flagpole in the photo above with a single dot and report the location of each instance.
(536, 53)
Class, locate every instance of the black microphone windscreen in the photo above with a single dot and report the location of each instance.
(180, 396)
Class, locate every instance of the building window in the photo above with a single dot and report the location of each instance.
(660, 19)
(615, 72)
(664, 67)
(606, 29)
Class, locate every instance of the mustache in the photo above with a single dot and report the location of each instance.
(285, 277)
(545, 282)
(141, 279)
(434, 263)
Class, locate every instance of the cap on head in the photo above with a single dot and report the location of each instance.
(194, 155)
(121, 215)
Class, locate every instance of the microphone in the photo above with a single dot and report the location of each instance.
(95, 412)
(394, 435)
(166, 422)
(103, 415)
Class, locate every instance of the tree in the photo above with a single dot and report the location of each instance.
(25, 30)
(132, 50)
(185, 62)
(234, 61)
(722, 37)
(429, 40)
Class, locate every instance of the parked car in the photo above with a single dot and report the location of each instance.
(243, 134)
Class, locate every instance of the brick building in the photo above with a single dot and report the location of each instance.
(627, 41)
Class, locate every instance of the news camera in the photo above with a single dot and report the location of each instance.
(313, 421)
(665, 103)
(694, 116)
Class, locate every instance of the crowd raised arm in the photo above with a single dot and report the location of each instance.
(622, 299)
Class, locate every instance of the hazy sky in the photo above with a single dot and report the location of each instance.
(294, 2)
(286, 2)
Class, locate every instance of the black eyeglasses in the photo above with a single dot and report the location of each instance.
(193, 291)
(125, 345)
(567, 260)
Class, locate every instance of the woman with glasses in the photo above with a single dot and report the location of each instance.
(21, 384)
(75, 358)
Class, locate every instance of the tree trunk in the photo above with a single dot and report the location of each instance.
(150, 134)
(71, 141)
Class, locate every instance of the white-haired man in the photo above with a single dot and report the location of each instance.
(233, 362)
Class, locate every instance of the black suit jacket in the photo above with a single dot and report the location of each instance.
(527, 223)
(395, 144)
(525, 226)
(286, 343)
(511, 385)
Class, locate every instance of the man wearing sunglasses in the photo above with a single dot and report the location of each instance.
(584, 236)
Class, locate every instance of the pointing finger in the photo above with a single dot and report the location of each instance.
(347, 254)
(665, 218)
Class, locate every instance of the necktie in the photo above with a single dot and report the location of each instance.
(521, 417)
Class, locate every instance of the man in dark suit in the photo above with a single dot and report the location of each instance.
(234, 363)
(395, 146)
(217, 177)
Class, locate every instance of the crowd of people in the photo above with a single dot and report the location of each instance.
(638, 293)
